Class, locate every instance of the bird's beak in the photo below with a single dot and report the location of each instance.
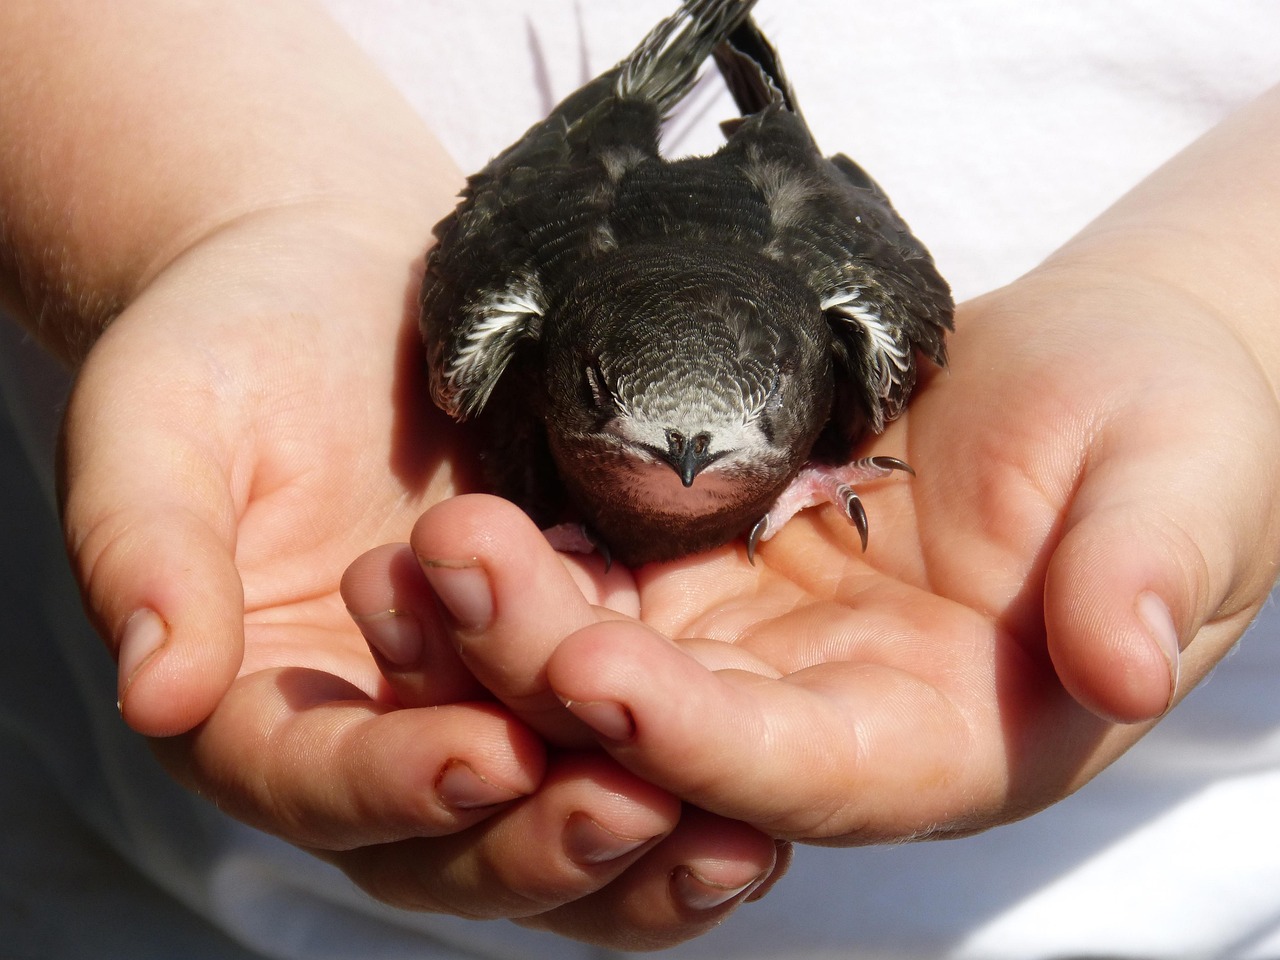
(688, 459)
(689, 466)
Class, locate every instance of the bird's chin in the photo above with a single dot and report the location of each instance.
(643, 512)
(658, 486)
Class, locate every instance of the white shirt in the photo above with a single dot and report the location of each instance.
(998, 128)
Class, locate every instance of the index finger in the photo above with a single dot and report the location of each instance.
(506, 600)
(848, 752)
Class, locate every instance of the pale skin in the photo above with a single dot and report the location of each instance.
(253, 418)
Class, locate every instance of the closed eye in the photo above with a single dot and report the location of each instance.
(773, 400)
(771, 407)
(601, 396)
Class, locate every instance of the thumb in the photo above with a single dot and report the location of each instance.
(150, 524)
(1149, 560)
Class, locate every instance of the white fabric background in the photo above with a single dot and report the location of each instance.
(999, 128)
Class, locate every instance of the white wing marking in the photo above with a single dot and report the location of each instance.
(493, 323)
(891, 356)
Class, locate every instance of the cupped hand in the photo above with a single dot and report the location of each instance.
(256, 418)
(1091, 526)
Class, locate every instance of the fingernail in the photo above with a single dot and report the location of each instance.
(463, 588)
(611, 720)
(586, 842)
(144, 635)
(395, 634)
(1155, 617)
(781, 864)
(459, 786)
(696, 892)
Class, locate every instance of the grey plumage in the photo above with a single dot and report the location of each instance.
(660, 345)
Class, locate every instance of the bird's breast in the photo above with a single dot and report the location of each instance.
(643, 512)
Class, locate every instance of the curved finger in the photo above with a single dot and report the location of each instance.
(150, 522)
(507, 600)
(1157, 550)
(306, 756)
(588, 822)
(393, 605)
(844, 752)
(686, 886)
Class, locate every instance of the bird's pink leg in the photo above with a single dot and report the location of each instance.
(577, 538)
(817, 484)
(569, 538)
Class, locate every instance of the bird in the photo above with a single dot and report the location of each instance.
(665, 355)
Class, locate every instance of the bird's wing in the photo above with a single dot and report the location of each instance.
(882, 295)
(484, 289)
(830, 220)
(534, 213)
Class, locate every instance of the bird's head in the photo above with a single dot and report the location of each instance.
(699, 379)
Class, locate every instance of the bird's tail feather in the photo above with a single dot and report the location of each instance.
(665, 63)
(752, 71)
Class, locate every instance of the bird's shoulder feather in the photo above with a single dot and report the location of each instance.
(877, 284)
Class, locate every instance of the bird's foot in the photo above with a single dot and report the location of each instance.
(817, 484)
(578, 538)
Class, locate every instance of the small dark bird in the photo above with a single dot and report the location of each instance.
(678, 352)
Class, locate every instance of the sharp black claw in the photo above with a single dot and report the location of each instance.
(602, 548)
(891, 463)
(753, 538)
(857, 514)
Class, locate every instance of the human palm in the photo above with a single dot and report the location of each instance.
(236, 437)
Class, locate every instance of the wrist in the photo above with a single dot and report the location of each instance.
(136, 133)
(1202, 228)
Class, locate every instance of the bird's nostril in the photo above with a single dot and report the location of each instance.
(688, 456)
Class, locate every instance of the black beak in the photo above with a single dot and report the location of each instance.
(688, 456)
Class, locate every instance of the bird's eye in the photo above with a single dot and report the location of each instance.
(601, 396)
(773, 400)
